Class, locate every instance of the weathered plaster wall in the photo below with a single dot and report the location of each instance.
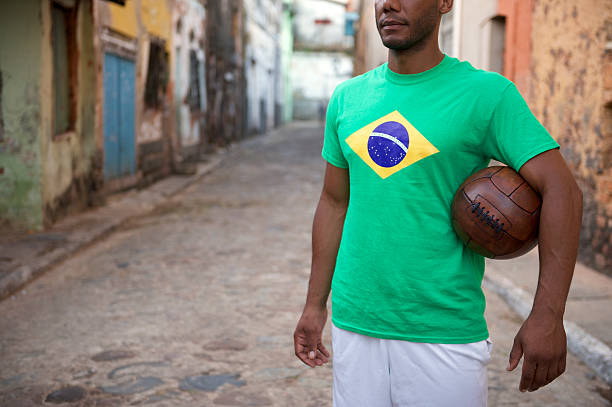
(263, 66)
(188, 22)
(225, 79)
(157, 17)
(20, 68)
(71, 173)
(140, 22)
(123, 19)
(519, 36)
(569, 60)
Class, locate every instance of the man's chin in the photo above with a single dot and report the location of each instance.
(398, 45)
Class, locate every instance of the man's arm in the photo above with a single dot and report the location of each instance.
(326, 233)
(542, 338)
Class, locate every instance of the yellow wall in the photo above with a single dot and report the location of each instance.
(157, 18)
(124, 19)
(152, 16)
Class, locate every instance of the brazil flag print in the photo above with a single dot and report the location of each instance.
(390, 144)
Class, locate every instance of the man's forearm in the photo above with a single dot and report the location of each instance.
(326, 234)
(560, 221)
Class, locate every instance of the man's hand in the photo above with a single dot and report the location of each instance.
(307, 337)
(542, 341)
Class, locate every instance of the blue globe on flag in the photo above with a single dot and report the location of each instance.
(388, 144)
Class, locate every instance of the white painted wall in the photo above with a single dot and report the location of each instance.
(321, 36)
(314, 77)
(189, 36)
(471, 31)
(262, 63)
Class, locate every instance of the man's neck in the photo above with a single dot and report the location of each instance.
(413, 60)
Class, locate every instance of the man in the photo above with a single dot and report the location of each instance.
(407, 325)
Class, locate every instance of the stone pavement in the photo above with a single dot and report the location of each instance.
(193, 299)
(23, 257)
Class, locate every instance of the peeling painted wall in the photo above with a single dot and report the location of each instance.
(188, 42)
(45, 175)
(70, 171)
(568, 68)
(141, 22)
(225, 81)
(20, 155)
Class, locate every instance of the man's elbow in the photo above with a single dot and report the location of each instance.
(335, 200)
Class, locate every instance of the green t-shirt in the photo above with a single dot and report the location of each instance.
(408, 142)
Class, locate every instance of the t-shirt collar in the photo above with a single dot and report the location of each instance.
(407, 79)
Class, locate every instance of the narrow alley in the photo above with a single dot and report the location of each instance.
(195, 303)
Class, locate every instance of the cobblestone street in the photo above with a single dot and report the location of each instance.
(195, 303)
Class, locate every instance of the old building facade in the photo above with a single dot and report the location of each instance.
(102, 95)
(263, 64)
(322, 57)
(189, 80)
(49, 162)
(133, 132)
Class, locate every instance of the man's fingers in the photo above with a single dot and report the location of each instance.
(553, 371)
(562, 364)
(302, 349)
(310, 355)
(323, 350)
(541, 374)
(321, 356)
(312, 358)
(515, 355)
(528, 375)
(303, 355)
(304, 358)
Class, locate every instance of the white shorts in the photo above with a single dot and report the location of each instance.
(372, 372)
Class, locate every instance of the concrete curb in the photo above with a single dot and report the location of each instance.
(113, 215)
(594, 353)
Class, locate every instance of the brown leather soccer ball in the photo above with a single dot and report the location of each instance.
(496, 213)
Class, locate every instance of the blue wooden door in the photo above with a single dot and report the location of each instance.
(119, 99)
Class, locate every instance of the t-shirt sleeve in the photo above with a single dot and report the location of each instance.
(332, 152)
(515, 135)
